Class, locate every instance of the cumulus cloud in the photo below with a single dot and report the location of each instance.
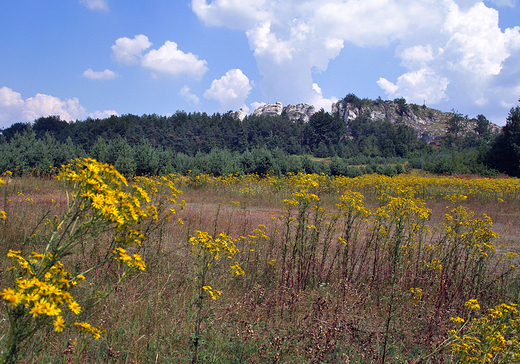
(95, 4)
(237, 14)
(321, 102)
(469, 61)
(169, 59)
(450, 49)
(266, 44)
(100, 75)
(102, 114)
(129, 51)
(417, 56)
(294, 40)
(11, 104)
(186, 93)
(13, 108)
(230, 90)
(389, 87)
(257, 104)
(417, 87)
(476, 45)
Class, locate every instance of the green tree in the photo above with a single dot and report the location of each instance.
(325, 128)
(99, 151)
(456, 124)
(505, 151)
(51, 124)
(482, 127)
(146, 159)
(121, 156)
(401, 106)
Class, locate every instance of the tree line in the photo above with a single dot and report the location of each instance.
(198, 142)
(26, 153)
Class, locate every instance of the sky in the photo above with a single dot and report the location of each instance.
(82, 59)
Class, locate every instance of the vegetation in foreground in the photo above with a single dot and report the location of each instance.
(304, 268)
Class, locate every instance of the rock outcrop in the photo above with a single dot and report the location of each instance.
(269, 109)
(430, 124)
(240, 115)
(301, 112)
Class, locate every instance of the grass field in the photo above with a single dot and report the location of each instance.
(296, 269)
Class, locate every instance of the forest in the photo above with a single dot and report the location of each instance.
(221, 144)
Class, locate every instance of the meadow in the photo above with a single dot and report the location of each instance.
(303, 268)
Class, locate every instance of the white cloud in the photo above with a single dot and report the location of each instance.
(10, 98)
(293, 39)
(255, 105)
(237, 14)
(129, 51)
(44, 105)
(510, 3)
(375, 22)
(474, 65)
(450, 49)
(482, 101)
(389, 87)
(417, 87)
(321, 102)
(102, 114)
(507, 105)
(169, 59)
(477, 45)
(11, 104)
(417, 56)
(186, 93)
(265, 44)
(100, 75)
(13, 108)
(230, 90)
(95, 4)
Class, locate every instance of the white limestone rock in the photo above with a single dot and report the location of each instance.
(302, 112)
(240, 115)
(269, 109)
(294, 112)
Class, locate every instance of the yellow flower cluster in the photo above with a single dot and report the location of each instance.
(209, 250)
(472, 305)
(481, 189)
(212, 292)
(2, 212)
(107, 196)
(103, 189)
(352, 204)
(401, 202)
(42, 287)
(88, 328)
(491, 338)
(474, 235)
(134, 261)
(417, 294)
(204, 244)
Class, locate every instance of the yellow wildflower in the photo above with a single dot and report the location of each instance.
(59, 324)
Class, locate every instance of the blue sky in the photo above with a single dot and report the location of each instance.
(94, 58)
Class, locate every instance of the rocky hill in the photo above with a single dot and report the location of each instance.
(430, 124)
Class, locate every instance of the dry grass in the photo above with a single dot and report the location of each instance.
(258, 319)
